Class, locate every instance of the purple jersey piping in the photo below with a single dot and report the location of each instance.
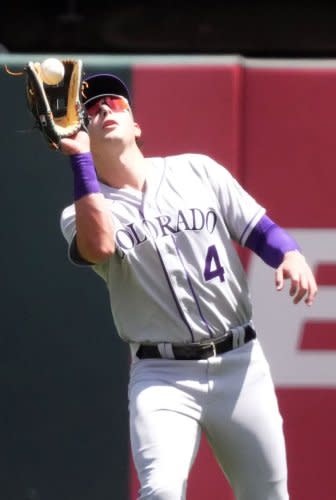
(184, 319)
(206, 323)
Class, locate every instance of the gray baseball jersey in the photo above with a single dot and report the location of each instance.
(176, 276)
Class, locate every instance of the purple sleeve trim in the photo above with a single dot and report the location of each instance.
(270, 242)
(85, 178)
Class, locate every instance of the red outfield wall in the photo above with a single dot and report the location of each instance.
(273, 126)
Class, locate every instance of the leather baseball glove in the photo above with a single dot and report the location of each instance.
(57, 109)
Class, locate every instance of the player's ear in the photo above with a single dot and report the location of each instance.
(137, 130)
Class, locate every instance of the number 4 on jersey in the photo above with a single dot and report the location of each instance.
(213, 267)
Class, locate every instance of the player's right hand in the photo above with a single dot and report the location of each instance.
(302, 281)
(79, 143)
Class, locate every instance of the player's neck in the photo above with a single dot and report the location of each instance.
(128, 169)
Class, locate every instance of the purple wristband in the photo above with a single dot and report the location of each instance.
(270, 242)
(85, 178)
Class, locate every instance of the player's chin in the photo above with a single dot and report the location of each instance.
(113, 136)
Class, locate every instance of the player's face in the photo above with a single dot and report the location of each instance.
(110, 118)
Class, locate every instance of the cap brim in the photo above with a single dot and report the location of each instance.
(101, 85)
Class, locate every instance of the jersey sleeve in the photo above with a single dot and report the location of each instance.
(68, 228)
(68, 223)
(240, 210)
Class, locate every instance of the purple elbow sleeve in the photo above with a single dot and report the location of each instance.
(270, 242)
(85, 178)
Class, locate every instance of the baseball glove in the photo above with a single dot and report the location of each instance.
(57, 108)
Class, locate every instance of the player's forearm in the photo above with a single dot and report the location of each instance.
(270, 242)
(94, 231)
(94, 228)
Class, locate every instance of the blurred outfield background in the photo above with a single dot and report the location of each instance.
(64, 371)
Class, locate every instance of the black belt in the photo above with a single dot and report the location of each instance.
(199, 351)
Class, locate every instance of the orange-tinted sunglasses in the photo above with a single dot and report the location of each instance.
(115, 103)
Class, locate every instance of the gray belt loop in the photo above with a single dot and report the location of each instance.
(213, 345)
(238, 337)
(166, 350)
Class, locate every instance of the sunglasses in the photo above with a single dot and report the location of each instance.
(115, 103)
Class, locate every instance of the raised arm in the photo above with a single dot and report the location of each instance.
(94, 225)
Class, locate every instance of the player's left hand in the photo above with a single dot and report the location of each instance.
(295, 268)
(78, 143)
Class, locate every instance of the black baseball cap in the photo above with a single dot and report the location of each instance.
(101, 85)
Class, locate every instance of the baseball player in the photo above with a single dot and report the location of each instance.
(161, 233)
